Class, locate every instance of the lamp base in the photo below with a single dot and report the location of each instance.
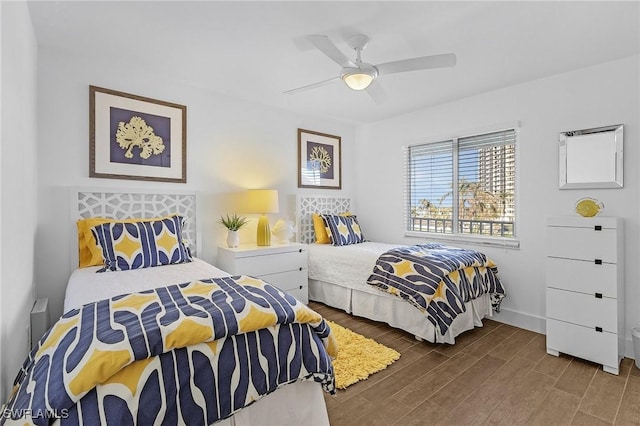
(264, 233)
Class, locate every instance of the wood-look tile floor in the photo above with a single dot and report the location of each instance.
(497, 374)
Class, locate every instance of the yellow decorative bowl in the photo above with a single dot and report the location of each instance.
(588, 207)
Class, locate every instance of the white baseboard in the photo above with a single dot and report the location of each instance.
(628, 348)
(529, 322)
(538, 324)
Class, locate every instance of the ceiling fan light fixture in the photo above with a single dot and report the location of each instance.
(358, 81)
(359, 78)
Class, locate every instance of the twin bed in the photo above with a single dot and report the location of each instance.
(186, 344)
(182, 342)
(338, 277)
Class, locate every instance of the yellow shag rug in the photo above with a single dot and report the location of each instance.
(358, 357)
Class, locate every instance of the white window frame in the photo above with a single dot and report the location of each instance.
(504, 242)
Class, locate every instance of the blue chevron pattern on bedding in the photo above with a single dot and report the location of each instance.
(192, 353)
(438, 280)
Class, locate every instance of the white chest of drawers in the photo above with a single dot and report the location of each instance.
(585, 289)
(283, 265)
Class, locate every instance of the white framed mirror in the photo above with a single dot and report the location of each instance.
(591, 158)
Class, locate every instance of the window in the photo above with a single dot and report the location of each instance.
(463, 186)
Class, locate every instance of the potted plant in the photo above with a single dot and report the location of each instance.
(233, 224)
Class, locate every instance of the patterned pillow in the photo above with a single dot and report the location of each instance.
(343, 230)
(89, 252)
(141, 244)
(320, 227)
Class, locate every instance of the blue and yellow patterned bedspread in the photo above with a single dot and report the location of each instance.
(192, 353)
(436, 279)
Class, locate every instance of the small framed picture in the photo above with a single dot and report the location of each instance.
(133, 137)
(319, 160)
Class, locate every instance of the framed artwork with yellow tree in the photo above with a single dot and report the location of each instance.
(133, 137)
(319, 160)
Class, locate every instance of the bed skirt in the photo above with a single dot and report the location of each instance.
(300, 403)
(394, 311)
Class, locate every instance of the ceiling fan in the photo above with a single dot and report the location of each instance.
(360, 75)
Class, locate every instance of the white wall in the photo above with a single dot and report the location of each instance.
(596, 96)
(232, 145)
(18, 183)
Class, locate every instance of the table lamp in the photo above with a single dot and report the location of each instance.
(263, 202)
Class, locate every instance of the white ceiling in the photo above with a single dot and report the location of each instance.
(256, 50)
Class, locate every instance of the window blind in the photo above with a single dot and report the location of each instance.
(463, 185)
(430, 176)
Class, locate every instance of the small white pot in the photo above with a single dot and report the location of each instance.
(233, 239)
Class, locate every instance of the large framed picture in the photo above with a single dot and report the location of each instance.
(133, 137)
(319, 160)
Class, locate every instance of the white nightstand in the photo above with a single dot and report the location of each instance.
(283, 265)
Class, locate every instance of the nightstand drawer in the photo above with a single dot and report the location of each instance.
(296, 283)
(292, 280)
(582, 309)
(271, 263)
(582, 276)
(302, 294)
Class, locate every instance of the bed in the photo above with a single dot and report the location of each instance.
(338, 277)
(181, 342)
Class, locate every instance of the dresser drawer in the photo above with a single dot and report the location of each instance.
(582, 309)
(582, 243)
(582, 342)
(582, 276)
(271, 263)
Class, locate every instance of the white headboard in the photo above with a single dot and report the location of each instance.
(309, 204)
(120, 204)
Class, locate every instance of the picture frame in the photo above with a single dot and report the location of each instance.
(319, 160)
(136, 138)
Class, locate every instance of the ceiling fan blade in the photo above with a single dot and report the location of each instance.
(326, 46)
(377, 93)
(311, 86)
(421, 63)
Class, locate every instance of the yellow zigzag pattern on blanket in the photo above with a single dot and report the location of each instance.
(102, 361)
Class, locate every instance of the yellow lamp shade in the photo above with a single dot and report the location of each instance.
(263, 201)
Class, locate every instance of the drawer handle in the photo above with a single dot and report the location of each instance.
(300, 268)
(299, 250)
(598, 295)
(599, 329)
(597, 228)
(598, 261)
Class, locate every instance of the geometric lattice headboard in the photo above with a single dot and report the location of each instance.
(324, 204)
(143, 204)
